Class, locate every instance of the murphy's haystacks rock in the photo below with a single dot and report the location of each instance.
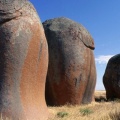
(71, 74)
(23, 62)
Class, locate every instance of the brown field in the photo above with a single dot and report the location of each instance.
(101, 110)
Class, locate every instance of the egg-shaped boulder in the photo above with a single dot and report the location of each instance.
(23, 62)
(111, 78)
(71, 74)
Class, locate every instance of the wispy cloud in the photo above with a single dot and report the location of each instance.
(103, 59)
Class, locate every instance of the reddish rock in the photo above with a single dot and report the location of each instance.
(71, 73)
(23, 62)
(111, 78)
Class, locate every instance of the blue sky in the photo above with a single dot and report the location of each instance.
(100, 17)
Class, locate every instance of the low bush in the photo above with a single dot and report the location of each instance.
(62, 114)
(85, 111)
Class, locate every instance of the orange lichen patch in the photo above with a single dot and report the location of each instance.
(33, 76)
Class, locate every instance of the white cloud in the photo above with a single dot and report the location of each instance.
(103, 59)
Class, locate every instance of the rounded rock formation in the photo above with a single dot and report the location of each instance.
(111, 78)
(23, 62)
(71, 74)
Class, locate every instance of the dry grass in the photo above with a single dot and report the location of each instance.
(94, 111)
(1, 118)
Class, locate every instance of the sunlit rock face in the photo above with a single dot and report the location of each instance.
(23, 62)
(10, 6)
(111, 78)
(71, 74)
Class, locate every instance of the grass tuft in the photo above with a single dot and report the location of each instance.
(62, 114)
(86, 111)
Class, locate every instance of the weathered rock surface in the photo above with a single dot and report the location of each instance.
(111, 78)
(71, 74)
(23, 62)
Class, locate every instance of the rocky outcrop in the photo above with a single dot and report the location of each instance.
(111, 78)
(23, 62)
(71, 74)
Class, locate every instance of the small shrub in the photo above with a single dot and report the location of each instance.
(62, 114)
(85, 111)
